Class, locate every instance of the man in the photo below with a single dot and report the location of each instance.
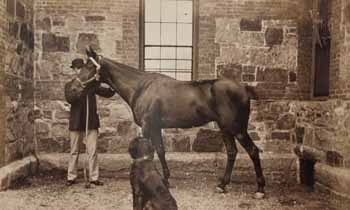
(77, 126)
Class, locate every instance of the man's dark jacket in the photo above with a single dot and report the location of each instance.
(77, 119)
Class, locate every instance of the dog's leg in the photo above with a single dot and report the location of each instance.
(138, 200)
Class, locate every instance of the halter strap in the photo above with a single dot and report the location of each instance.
(96, 77)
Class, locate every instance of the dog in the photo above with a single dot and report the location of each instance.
(147, 184)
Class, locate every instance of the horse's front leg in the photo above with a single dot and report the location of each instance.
(155, 134)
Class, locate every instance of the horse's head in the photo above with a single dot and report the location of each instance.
(88, 77)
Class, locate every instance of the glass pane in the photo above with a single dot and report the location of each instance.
(184, 34)
(168, 11)
(152, 52)
(152, 33)
(184, 64)
(168, 64)
(184, 76)
(184, 11)
(184, 53)
(168, 34)
(152, 64)
(168, 52)
(152, 10)
(170, 74)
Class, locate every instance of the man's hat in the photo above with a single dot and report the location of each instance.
(77, 63)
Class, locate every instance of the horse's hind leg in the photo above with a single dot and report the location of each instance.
(231, 151)
(253, 151)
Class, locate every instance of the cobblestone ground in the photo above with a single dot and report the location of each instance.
(48, 192)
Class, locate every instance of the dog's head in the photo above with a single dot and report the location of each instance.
(141, 147)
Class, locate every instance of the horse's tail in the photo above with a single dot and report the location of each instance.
(251, 92)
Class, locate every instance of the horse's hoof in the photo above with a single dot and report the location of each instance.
(259, 195)
(220, 189)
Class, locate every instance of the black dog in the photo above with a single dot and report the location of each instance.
(146, 181)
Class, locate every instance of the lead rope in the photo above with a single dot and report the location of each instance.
(87, 183)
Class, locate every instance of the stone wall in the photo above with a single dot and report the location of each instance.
(2, 65)
(17, 40)
(62, 31)
(267, 47)
(264, 43)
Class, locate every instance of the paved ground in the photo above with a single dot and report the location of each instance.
(47, 192)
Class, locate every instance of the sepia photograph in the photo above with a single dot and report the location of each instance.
(174, 105)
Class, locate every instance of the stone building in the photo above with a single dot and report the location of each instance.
(293, 52)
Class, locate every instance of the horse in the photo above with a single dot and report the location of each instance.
(160, 102)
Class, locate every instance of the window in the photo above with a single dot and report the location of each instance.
(168, 38)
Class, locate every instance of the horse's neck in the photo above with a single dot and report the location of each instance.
(124, 81)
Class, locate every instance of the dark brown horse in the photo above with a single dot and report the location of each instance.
(158, 102)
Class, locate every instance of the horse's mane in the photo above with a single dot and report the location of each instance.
(202, 82)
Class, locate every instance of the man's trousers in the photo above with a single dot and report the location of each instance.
(91, 146)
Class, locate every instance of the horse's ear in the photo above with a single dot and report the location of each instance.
(91, 52)
(88, 51)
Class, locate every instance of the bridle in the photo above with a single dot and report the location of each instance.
(96, 77)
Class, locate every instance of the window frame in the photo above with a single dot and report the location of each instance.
(195, 23)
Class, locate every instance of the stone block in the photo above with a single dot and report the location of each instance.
(20, 10)
(208, 141)
(274, 36)
(333, 158)
(103, 144)
(13, 29)
(280, 135)
(250, 25)
(248, 78)
(13, 151)
(49, 145)
(323, 137)
(272, 75)
(94, 18)
(181, 144)
(87, 39)
(10, 7)
(58, 22)
(42, 128)
(249, 69)
(59, 115)
(43, 24)
(118, 145)
(286, 122)
(59, 130)
(124, 128)
(254, 136)
(230, 71)
(53, 43)
(336, 179)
